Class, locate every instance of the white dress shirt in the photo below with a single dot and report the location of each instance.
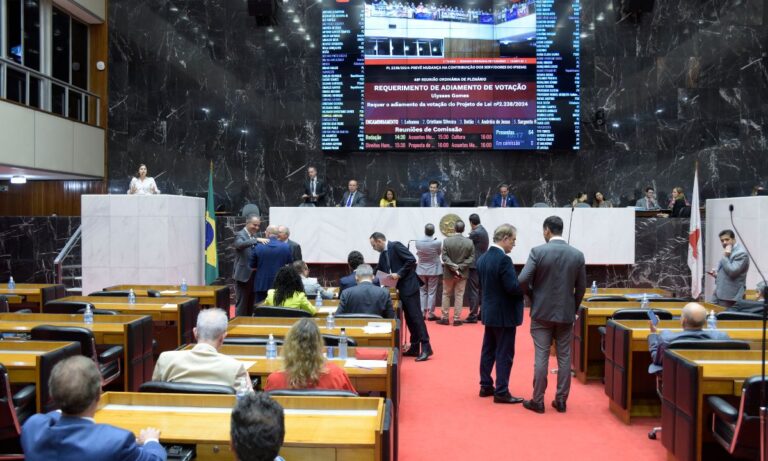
(145, 187)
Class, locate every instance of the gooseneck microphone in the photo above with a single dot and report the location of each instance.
(570, 224)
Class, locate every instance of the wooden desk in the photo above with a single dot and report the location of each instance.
(631, 389)
(32, 362)
(13, 299)
(316, 428)
(181, 312)
(629, 291)
(133, 332)
(588, 359)
(34, 295)
(263, 326)
(689, 376)
(209, 295)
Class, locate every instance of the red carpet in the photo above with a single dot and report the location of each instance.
(442, 418)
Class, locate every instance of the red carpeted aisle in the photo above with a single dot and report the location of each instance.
(442, 418)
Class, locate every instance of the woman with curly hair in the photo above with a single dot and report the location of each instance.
(304, 364)
(288, 291)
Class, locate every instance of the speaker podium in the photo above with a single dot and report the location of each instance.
(142, 239)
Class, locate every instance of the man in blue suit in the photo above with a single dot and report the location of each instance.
(434, 198)
(401, 265)
(354, 259)
(267, 260)
(504, 199)
(72, 435)
(502, 314)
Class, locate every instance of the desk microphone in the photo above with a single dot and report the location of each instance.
(570, 224)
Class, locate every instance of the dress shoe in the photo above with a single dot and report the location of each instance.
(559, 405)
(508, 398)
(486, 391)
(432, 317)
(470, 319)
(426, 352)
(457, 322)
(412, 351)
(533, 406)
(443, 322)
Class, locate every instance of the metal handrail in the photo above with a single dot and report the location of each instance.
(58, 263)
(5, 63)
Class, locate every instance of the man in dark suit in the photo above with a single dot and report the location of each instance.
(401, 264)
(479, 237)
(502, 313)
(354, 259)
(72, 435)
(556, 277)
(504, 199)
(365, 297)
(245, 240)
(284, 234)
(434, 198)
(267, 260)
(314, 188)
(352, 197)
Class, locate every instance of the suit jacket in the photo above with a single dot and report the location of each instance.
(397, 259)
(201, 365)
(320, 191)
(657, 343)
(678, 208)
(502, 295)
(347, 281)
(243, 246)
(428, 251)
(357, 200)
(295, 250)
(53, 436)
(556, 276)
(479, 237)
(731, 281)
(426, 199)
(366, 298)
(643, 204)
(510, 199)
(458, 255)
(267, 260)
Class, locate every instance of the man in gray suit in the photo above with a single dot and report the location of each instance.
(649, 201)
(245, 239)
(731, 273)
(283, 234)
(479, 237)
(365, 297)
(556, 278)
(429, 269)
(352, 197)
(458, 254)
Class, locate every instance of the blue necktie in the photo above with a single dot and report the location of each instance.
(349, 200)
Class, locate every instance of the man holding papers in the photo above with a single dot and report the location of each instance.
(365, 297)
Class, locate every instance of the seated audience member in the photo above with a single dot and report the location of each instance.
(354, 259)
(388, 199)
(311, 287)
(678, 204)
(692, 319)
(758, 190)
(598, 201)
(649, 201)
(257, 428)
(581, 198)
(752, 306)
(71, 434)
(434, 198)
(288, 291)
(365, 297)
(203, 364)
(352, 197)
(504, 199)
(305, 366)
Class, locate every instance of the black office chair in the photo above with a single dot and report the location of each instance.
(736, 315)
(358, 316)
(632, 314)
(280, 311)
(738, 429)
(99, 312)
(4, 305)
(702, 344)
(67, 307)
(250, 341)
(669, 300)
(109, 360)
(14, 410)
(153, 294)
(463, 203)
(312, 393)
(607, 298)
(333, 340)
(164, 387)
(408, 202)
(117, 293)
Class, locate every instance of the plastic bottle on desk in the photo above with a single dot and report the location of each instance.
(11, 284)
(330, 322)
(271, 348)
(88, 315)
(644, 302)
(183, 286)
(712, 320)
(318, 299)
(343, 344)
(131, 297)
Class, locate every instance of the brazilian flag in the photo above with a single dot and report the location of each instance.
(211, 261)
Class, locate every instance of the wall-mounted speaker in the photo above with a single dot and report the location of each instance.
(264, 11)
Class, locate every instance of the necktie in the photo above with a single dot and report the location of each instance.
(434, 200)
(349, 200)
(386, 256)
(648, 203)
(314, 186)
(503, 202)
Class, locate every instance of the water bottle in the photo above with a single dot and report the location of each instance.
(594, 287)
(712, 320)
(343, 344)
(318, 299)
(330, 322)
(88, 315)
(644, 302)
(184, 286)
(131, 297)
(271, 348)
(11, 284)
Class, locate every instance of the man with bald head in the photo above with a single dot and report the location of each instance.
(284, 234)
(693, 319)
(267, 260)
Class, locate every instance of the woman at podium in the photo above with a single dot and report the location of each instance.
(143, 184)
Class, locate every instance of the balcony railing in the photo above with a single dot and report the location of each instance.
(34, 89)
